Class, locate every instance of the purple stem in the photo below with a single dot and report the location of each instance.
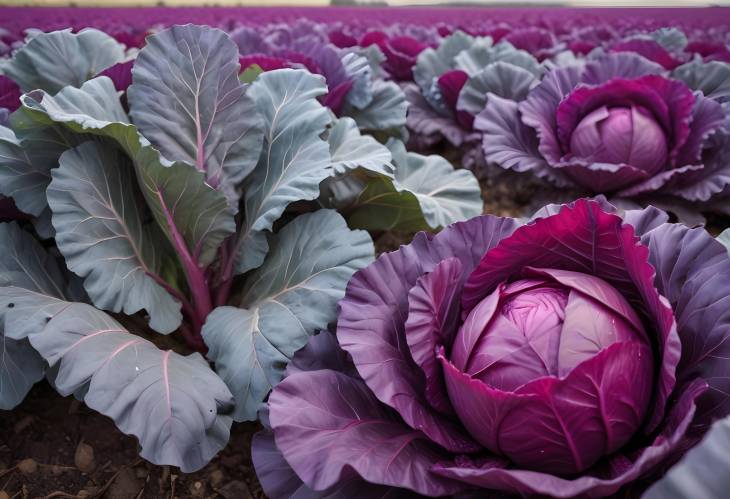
(195, 275)
(225, 280)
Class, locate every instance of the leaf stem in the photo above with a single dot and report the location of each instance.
(197, 281)
(224, 280)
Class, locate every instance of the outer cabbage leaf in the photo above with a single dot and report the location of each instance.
(386, 111)
(724, 238)
(175, 192)
(350, 150)
(52, 61)
(693, 273)
(187, 100)
(430, 126)
(294, 160)
(99, 226)
(175, 405)
(21, 178)
(480, 55)
(503, 79)
(27, 155)
(286, 300)
(352, 431)
(276, 476)
(711, 78)
(358, 69)
(703, 472)
(426, 193)
(672, 39)
(432, 63)
(26, 264)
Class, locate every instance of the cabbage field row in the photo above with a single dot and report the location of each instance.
(453, 252)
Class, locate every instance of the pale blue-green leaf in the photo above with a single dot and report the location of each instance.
(672, 39)
(27, 155)
(358, 69)
(724, 238)
(703, 472)
(349, 150)
(294, 160)
(342, 192)
(291, 296)
(26, 264)
(386, 111)
(186, 98)
(501, 78)
(19, 177)
(374, 56)
(427, 193)
(711, 78)
(174, 404)
(98, 217)
(432, 63)
(480, 55)
(52, 61)
(177, 190)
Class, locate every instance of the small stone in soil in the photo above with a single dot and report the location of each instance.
(141, 472)
(84, 458)
(28, 466)
(197, 489)
(216, 478)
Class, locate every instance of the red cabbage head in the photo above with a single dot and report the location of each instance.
(620, 125)
(570, 356)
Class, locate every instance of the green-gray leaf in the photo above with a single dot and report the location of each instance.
(25, 264)
(291, 296)
(52, 61)
(480, 55)
(294, 160)
(703, 472)
(178, 190)
(188, 101)
(724, 238)
(427, 193)
(501, 78)
(386, 111)
(27, 155)
(19, 177)
(672, 39)
(175, 405)
(349, 150)
(99, 229)
(432, 63)
(711, 78)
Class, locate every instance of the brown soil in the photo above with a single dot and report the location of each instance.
(39, 459)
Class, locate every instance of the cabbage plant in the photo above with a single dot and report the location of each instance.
(194, 215)
(355, 85)
(623, 126)
(577, 354)
(454, 79)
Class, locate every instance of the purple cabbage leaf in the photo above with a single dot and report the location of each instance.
(578, 354)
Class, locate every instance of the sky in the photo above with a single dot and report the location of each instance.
(595, 3)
